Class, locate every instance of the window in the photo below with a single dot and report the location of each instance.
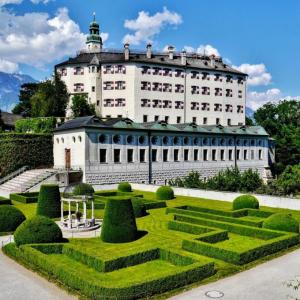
(176, 140)
(156, 118)
(245, 154)
(108, 69)
(240, 94)
(252, 154)
(154, 155)
(228, 108)
(228, 93)
(156, 71)
(218, 121)
(145, 103)
(194, 106)
(195, 154)
(178, 120)
(218, 107)
(116, 139)
(64, 72)
(179, 88)
(78, 71)
(157, 86)
(214, 154)
(167, 72)
(142, 155)
(260, 154)
(229, 122)
(205, 76)
(240, 80)
(194, 74)
(120, 85)
(120, 69)
(146, 70)
(167, 87)
(156, 103)
(165, 155)
(218, 77)
(222, 154)
(186, 154)
(117, 153)
(205, 90)
(129, 155)
(240, 109)
(102, 156)
(179, 73)
(93, 89)
(230, 156)
(108, 85)
(205, 106)
(167, 104)
(167, 119)
(204, 121)
(120, 102)
(145, 86)
(205, 155)
(130, 139)
(108, 103)
(78, 87)
(119, 116)
(218, 92)
(176, 154)
(142, 139)
(194, 120)
(178, 104)
(195, 89)
(238, 154)
(145, 118)
(229, 79)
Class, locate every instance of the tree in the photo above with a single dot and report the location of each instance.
(282, 122)
(80, 106)
(249, 121)
(26, 92)
(1, 121)
(51, 99)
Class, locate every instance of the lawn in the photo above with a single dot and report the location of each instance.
(137, 270)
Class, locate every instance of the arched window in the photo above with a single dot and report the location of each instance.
(79, 139)
(57, 140)
(142, 139)
(214, 141)
(102, 138)
(222, 142)
(196, 141)
(62, 140)
(165, 140)
(176, 140)
(154, 140)
(245, 142)
(205, 141)
(74, 139)
(129, 139)
(116, 139)
(185, 140)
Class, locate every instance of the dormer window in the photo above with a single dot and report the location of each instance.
(120, 69)
(229, 79)
(195, 75)
(146, 70)
(156, 71)
(108, 69)
(179, 73)
(205, 76)
(218, 77)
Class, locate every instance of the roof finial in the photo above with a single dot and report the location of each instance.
(94, 15)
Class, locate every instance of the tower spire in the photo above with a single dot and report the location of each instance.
(94, 40)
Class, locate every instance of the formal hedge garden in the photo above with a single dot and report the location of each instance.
(245, 201)
(49, 204)
(18, 150)
(38, 230)
(164, 193)
(4, 201)
(31, 197)
(10, 218)
(282, 222)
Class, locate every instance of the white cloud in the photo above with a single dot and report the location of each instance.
(40, 1)
(104, 36)
(258, 74)
(257, 99)
(8, 66)
(203, 49)
(5, 2)
(146, 27)
(37, 39)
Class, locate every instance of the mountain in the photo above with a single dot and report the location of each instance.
(9, 89)
(249, 112)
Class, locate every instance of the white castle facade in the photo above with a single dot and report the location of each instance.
(160, 116)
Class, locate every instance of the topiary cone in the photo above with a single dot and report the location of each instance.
(49, 201)
(119, 225)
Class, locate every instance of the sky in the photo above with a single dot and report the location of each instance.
(260, 38)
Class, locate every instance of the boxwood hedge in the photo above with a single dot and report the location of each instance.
(4, 201)
(164, 193)
(10, 218)
(282, 222)
(124, 187)
(25, 197)
(245, 201)
(49, 204)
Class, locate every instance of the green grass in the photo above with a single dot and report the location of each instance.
(158, 235)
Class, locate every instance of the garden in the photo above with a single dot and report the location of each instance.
(151, 244)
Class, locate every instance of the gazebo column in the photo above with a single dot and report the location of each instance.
(93, 209)
(70, 216)
(84, 212)
(62, 211)
(76, 206)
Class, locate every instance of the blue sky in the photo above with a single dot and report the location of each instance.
(261, 38)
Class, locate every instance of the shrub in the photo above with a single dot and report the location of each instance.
(119, 224)
(83, 189)
(289, 181)
(38, 230)
(250, 181)
(49, 201)
(164, 193)
(36, 125)
(4, 200)
(139, 208)
(10, 218)
(124, 187)
(25, 197)
(282, 222)
(245, 201)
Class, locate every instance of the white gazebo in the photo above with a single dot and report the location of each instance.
(78, 221)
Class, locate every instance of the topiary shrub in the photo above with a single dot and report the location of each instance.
(38, 230)
(282, 222)
(49, 201)
(245, 201)
(10, 218)
(164, 193)
(83, 189)
(139, 208)
(124, 187)
(119, 224)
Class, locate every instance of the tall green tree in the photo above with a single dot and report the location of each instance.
(51, 99)
(27, 90)
(249, 121)
(80, 106)
(1, 121)
(282, 122)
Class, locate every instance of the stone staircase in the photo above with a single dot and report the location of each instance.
(26, 180)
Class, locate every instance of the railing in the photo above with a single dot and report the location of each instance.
(13, 174)
(9, 240)
(37, 180)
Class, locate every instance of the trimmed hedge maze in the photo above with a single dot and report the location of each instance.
(147, 272)
(221, 234)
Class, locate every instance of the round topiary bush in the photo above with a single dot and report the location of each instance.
(124, 187)
(83, 189)
(49, 201)
(38, 230)
(119, 224)
(282, 222)
(139, 208)
(164, 193)
(245, 201)
(10, 218)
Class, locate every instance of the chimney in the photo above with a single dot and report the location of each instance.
(212, 61)
(126, 51)
(183, 57)
(171, 52)
(149, 51)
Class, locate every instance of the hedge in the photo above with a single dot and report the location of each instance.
(39, 229)
(139, 208)
(124, 187)
(36, 125)
(188, 273)
(49, 204)
(5, 201)
(164, 193)
(245, 201)
(119, 225)
(19, 150)
(25, 197)
(282, 222)
(83, 189)
(10, 218)
(214, 217)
